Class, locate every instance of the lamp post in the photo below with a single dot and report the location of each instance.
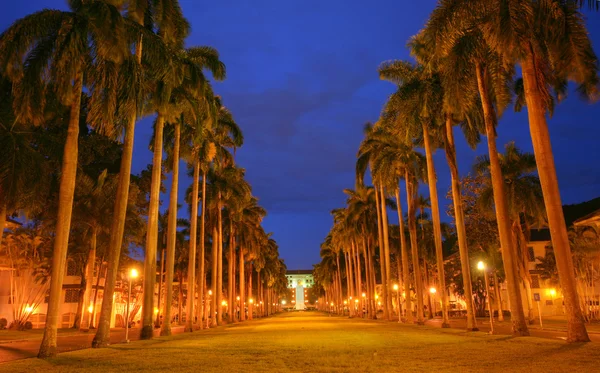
(133, 273)
(552, 294)
(432, 291)
(397, 290)
(481, 267)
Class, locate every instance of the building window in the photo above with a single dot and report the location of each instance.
(549, 302)
(531, 254)
(535, 282)
(71, 268)
(72, 296)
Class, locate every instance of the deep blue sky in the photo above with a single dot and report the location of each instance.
(302, 81)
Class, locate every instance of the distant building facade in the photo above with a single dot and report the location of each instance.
(300, 282)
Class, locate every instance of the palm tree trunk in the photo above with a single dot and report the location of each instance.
(202, 304)
(519, 324)
(219, 295)
(230, 275)
(405, 271)
(250, 300)
(542, 148)
(412, 230)
(450, 149)
(63, 221)
(523, 259)
(180, 300)
(498, 297)
(339, 282)
(191, 294)
(386, 240)
(171, 235)
(160, 300)
(213, 282)
(101, 339)
(152, 233)
(350, 275)
(437, 230)
(242, 286)
(91, 264)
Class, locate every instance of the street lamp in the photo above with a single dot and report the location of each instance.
(481, 267)
(396, 289)
(432, 291)
(133, 274)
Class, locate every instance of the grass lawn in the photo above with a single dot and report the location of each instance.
(32, 334)
(312, 342)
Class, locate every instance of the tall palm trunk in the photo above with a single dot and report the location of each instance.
(152, 233)
(498, 296)
(450, 148)
(250, 300)
(542, 148)
(202, 303)
(519, 324)
(412, 230)
(437, 230)
(191, 294)
(89, 274)
(219, 295)
(242, 286)
(339, 282)
(380, 223)
(404, 252)
(386, 241)
(171, 235)
(523, 259)
(213, 282)
(101, 339)
(230, 275)
(180, 299)
(348, 282)
(63, 220)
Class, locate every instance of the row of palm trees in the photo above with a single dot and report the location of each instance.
(465, 74)
(104, 65)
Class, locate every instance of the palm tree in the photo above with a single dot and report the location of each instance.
(551, 44)
(470, 56)
(524, 200)
(419, 100)
(173, 28)
(93, 202)
(57, 47)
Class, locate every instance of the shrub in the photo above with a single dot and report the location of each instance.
(3, 323)
(28, 325)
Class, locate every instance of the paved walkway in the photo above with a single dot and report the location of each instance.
(316, 342)
(10, 351)
(16, 350)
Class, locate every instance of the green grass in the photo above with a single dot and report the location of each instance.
(32, 334)
(312, 342)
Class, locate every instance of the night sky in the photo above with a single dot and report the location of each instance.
(302, 81)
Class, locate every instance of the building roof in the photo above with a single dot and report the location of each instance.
(299, 272)
(589, 219)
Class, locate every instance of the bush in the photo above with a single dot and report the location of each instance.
(28, 325)
(3, 323)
